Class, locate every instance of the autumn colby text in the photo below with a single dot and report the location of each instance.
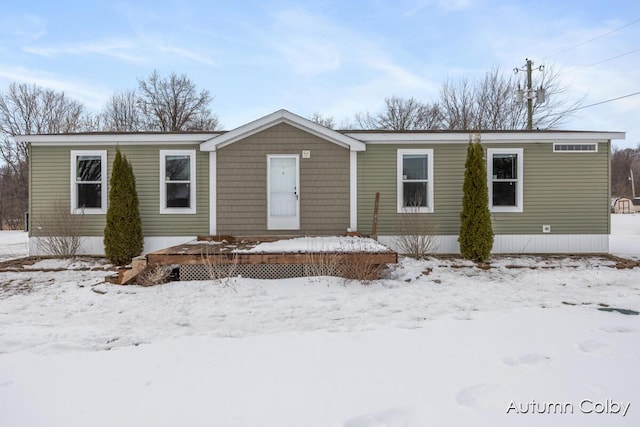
(585, 406)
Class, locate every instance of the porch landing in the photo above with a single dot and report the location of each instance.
(212, 257)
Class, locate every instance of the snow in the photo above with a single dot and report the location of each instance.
(438, 342)
(318, 244)
(13, 244)
(625, 235)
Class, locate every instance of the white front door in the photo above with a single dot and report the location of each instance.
(283, 195)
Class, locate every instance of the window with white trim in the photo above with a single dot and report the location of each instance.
(415, 180)
(504, 176)
(89, 182)
(177, 181)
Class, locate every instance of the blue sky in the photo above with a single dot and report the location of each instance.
(332, 57)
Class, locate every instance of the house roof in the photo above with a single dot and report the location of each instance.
(445, 136)
(354, 140)
(117, 138)
(276, 118)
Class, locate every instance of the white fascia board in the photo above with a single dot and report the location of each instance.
(486, 137)
(282, 116)
(116, 138)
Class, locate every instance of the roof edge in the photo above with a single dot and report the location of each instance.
(276, 118)
(120, 138)
(493, 136)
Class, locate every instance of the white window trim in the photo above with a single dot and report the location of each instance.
(75, 210)
(192, 182)
(399, 188)
(519, 207)
(556, 144)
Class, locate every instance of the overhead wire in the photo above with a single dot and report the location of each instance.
(593, 39)
(604, 60)
(604, 102)
(599, 62)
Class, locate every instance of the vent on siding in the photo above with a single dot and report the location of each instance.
(561, 147)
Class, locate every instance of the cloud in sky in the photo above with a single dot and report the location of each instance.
(333, 57)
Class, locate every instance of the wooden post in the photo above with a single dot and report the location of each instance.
(374, 225)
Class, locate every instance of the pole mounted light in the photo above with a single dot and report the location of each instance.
(528, 93)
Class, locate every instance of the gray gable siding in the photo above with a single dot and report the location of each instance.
(242, 187)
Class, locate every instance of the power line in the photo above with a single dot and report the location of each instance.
(604, 60)
(592, 39)
(604, 102)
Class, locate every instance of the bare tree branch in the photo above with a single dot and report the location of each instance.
(173, 104)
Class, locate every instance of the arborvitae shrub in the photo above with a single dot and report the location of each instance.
(476, 232)
(123, 238)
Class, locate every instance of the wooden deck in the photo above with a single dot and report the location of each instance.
(232, 250)
(214, 258)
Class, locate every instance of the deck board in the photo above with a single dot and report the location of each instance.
(206, 252)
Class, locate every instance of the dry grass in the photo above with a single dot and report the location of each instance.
(359, 266)
(154, 275)
(221, 267)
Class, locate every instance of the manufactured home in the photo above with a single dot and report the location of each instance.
(283, 175)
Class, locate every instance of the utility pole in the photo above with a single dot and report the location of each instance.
(520, 94)
(529, 100)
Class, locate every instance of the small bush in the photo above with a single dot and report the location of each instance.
(60, 230)
(415, 234)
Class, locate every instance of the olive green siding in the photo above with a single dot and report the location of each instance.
(50, 182)
(569, 191)
(242, 183)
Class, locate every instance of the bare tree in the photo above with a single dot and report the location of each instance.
(30, 109)
(557, 108)
(326, 121)
(11, 199)
(174, 104)
(122, 113)
(402, 114)
(622, 162)
(457, 105)
(489, 104)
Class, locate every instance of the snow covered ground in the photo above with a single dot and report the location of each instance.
(13, 244)
(437, 343)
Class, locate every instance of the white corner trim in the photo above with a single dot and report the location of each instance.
(213, 193)
(353, 190)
